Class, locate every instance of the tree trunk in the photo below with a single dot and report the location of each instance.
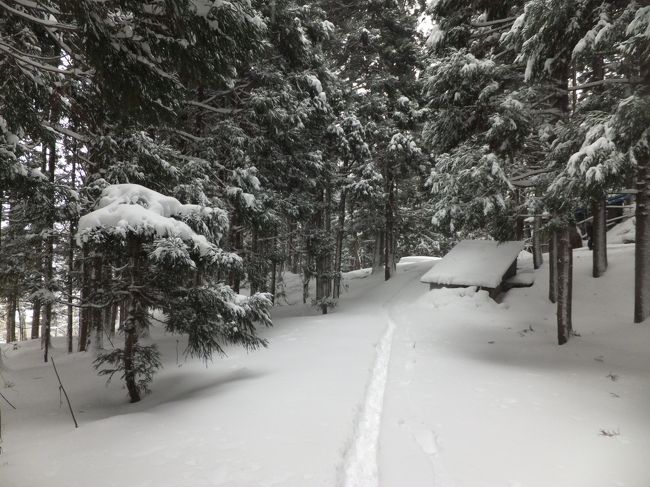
(70, 290)
(253, 279)
(235, 246)
(36, 303)
(390, 238)
(552, 266)
(538, 258)
(564, 285)
(274, 271)
(49, 254)
(599, 236)
(9, 287)
(306, 277)
(292, 252)
(22, 321)
(378, 254)
(340, 233)
(113, 319)
(47, 327)
(323, 260)
(71, 246)
(12, 304)
(519, 220)
(96, 311)
(642, 245)
(123, 314)
(36, 319)
(85, 313)
(130, 344)
(131, 324)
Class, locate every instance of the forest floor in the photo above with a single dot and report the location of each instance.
(397, 387)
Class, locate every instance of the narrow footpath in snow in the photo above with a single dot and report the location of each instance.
(361, 463)
(362, 459)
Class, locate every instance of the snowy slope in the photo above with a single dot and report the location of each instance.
(397, 387)
(479, 394)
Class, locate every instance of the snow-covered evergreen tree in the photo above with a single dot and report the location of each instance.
(168, 258)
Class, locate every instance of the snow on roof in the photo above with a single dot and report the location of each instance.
(131, 207)
(474, 263)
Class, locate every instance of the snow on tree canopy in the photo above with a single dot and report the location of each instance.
(125, 208)
(474, 263)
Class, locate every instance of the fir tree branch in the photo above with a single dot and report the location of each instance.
(26, 54)
(186, 135)
(223, 111)
(64, 131)
(36, 20)
(487, 33)
(43, 67)
(601, 82)
(37, 6)
(493, 22)
(530, 174)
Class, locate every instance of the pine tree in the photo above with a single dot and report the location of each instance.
(376, 51)
(167, 264)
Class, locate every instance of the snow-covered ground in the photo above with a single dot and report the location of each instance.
(398, 386)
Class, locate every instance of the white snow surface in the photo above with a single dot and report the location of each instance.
(474, 263)
(623, 233)
(461, 392)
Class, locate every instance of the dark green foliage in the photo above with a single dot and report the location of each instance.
(213, 317)
(146, 361)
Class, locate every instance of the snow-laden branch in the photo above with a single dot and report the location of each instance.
(223, 111)
(529, 174)
(47, 23)
(493, 22)
(19, 58)
(234, 89)
(187, 135)
(601, 82)
(28, 55)
(493, 30)
(38, 6)
(65, 131)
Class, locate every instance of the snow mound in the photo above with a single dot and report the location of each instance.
(414, 259)
(358, 274)
(524, 257)
(464, 297)
(623, 233)
(525, 279)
